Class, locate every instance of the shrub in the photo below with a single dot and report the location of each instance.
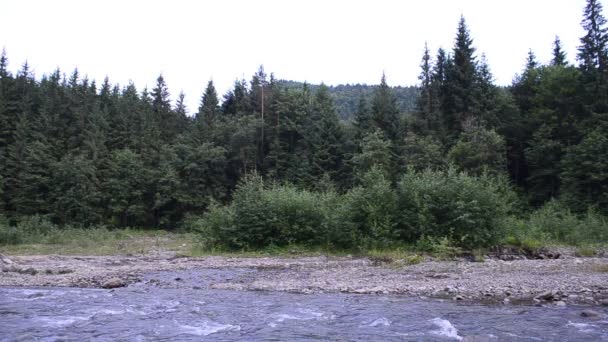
(367, 216)
(465, 209)
(259, 217)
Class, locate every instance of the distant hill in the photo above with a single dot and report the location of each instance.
(346, 96)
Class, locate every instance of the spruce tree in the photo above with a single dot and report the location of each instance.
(209, 109)
(363, 120)
(461, 82)
(324, 137)
(425, 104)
(559, 55)
(593, 56)
(385, 114)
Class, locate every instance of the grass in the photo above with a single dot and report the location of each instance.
(586, 251)
(101, 241)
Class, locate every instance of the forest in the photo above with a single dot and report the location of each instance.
(456, 160)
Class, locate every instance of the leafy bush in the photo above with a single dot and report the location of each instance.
(260, 217)
(467, 210)
(367, 214)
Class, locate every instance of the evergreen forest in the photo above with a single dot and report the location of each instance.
(455, 160)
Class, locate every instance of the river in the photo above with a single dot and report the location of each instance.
(193, 311)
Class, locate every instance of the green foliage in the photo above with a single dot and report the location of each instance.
(123, 188)
(76, 198)
(422, 152)
(585, 173)
(465, 209)
(556, 224)
(367, 215)
(376, 151)
(479, 150)
(262, 216)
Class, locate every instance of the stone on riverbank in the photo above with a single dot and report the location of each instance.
(113, 283)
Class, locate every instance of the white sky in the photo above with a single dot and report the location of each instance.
(338, 41)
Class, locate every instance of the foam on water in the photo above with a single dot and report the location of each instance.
(301, 314)
(207, 328)
(382, 321)
(582, 327)
(61, 321)
(446, 329)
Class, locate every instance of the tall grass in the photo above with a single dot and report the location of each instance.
(37, 235)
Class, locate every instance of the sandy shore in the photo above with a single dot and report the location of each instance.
(562, 281)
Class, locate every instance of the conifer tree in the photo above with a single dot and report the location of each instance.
(559, 55)
(363, 120)
(385, 114)
(461, 82)
(593, 56)
(209, 109)
(324, 137)
(425, 104)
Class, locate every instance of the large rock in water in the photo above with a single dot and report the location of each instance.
(113, 283)
(590, 314)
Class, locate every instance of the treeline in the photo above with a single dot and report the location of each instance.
(80, 153)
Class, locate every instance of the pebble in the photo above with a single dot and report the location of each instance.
(560, 303)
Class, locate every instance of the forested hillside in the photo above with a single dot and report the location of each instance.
(82, 153)
(346, 96)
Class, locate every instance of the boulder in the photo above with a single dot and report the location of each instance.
(590, 314)
(113, 283)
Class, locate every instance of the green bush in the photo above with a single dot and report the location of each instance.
(261, 216)
(367, 214)
(467, 210)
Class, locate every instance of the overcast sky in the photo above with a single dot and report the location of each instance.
(338, 41)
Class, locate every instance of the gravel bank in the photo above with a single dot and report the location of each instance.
(562, 281)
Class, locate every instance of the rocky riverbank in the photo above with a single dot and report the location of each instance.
(562, 281)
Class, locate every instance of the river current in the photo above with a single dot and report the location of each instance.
(144, 312)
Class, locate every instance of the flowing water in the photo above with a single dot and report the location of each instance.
(143, 312)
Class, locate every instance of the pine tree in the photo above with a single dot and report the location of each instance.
(593, 50)
(363, 119)
(209, 109)
(75, 196)
(123, 189)
(559, 55)
(425, 104)
(324, 137)
(487, 96)
(461, 82)
(166, 122)
(585, 173)
(376, 152)
(181, 113)
(385, 114)
(593, 56)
